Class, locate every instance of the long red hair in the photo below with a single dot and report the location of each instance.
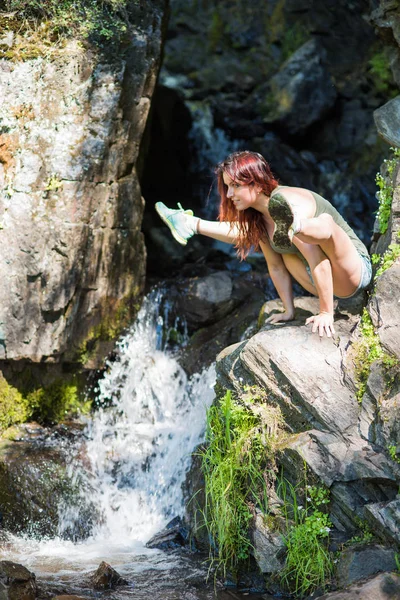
(249, 168)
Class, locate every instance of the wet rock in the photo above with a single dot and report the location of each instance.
(106, 577)
(385, 586)
(362, 562)
(33, 482)
(207, 299)
(173, 536)
(16, 582)
(269, 547)
(302, 92)
(387, 121)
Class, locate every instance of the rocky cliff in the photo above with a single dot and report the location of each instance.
(73, 258)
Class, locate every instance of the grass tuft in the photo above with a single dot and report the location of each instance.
(40, 28)
(234, 463)
(309, 564)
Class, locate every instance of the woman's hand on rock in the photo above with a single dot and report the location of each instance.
(323, 323)
(283, 316)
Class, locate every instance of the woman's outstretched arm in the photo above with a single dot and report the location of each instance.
(218, 230)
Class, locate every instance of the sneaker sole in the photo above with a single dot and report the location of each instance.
(175, 234)
(282, 214)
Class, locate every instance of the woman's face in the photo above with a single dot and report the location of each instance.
(241, 195)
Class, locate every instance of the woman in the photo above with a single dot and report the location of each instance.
(300, 234)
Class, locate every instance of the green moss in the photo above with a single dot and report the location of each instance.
(55, 402)
(385, 192)
(47, 405)
(14, 408)
(381, 74)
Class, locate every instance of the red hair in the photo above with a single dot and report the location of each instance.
(249, 168)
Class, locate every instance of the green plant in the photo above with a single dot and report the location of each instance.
(365, 534)
(387, 260)
(54, 183)
(397, 560)
(237, 447)
(385, 192)
(309, 564)
(392, 449)
(292, 39)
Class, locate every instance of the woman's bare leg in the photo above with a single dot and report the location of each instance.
(298, 271)
(336, 244)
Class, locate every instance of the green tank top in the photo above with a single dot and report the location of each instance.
(323, 206)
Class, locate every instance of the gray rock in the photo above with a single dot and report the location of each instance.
(387, 121)
(302, 91)
(269, 547)
(361, 562)
(105, 577)
(385, 586)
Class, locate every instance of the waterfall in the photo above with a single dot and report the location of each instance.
(139, 445)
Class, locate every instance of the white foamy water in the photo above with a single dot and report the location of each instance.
(131, 468)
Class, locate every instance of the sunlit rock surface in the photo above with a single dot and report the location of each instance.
(73, 254)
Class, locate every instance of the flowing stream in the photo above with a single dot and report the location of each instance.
(129, 472)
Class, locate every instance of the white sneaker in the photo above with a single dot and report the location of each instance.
(182, 223)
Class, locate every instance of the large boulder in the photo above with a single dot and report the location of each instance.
(302, 92)
(71, 208)
(304, 375)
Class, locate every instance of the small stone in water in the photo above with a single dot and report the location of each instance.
(106, 577)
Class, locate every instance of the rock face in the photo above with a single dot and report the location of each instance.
(71, 208)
